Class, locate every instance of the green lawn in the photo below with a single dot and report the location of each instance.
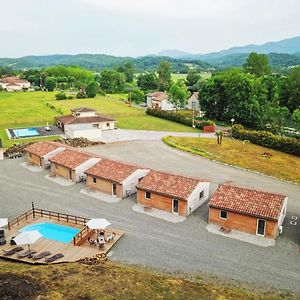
(176, 76)
(280, 165)
(34, 109)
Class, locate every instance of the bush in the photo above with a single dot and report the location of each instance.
(267, 139)
(178, 118)
(137, 96)
(70, 97)
(81, 95)
(61, 96)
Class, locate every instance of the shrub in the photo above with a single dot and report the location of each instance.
(70, 97)
(81, 95)
(61, 96)
(178, 118)
(267, 139)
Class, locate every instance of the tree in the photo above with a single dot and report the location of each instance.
(128, 70)
(296, 116)
(61, 96)
(137, 96)
(50, 84)
(257, 64)
(164, 76)
(290, 90)
(219, 135)
(111, 81)
(192, 78)
(91, 89)
(147, 81)
(81, 94)
(178, 94)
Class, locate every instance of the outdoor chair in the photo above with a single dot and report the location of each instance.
(26, 253)
(2, 237)
(54, 258)
(12, 251)
(41, 255)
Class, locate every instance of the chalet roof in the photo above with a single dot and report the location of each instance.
(172, 185)
(195, 94)
(112, 170)
(13, 80)
(70, 119)
(42, 148)
(248, 201)
(83, 109)
(71, 158)
(158, 96)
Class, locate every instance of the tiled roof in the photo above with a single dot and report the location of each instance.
(71, 158)
(169, 184)
(158, 96)
(83, 120)
(248, 201)
(111, 170)
(42, 148)
(82, 109)
(13, 80)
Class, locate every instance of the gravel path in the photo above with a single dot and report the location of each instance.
(186, 246)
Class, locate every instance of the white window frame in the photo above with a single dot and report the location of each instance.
(221, 216)
(264, 227)
(146, 195)
(176, 213)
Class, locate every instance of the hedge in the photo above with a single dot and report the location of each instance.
(267, 139)
(178, 118)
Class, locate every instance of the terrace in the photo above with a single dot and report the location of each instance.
(79, 248)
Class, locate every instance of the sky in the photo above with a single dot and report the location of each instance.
(141, 27)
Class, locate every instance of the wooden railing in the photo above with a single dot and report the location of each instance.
(82, 236)
(17, 220)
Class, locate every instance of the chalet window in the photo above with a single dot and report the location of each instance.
(175, 206)
(107, 124)
(94, 179)
(261, 227)
(114, 189)
(201, 195)
(147, 195)
(223, 214)
(30, 155)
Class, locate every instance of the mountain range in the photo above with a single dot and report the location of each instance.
(281, 54)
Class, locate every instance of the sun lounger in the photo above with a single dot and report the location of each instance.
(12, 251)
(41, 255)
(26, 253)
(54, 258)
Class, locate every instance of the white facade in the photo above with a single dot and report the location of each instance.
(108, 125)
(167, 105)
(193, 103)
(195, 200)
(87, 131)
(130, 183)
(82, 114)
(282, 213)
(45, 158)
(79, 171)
(14, 87)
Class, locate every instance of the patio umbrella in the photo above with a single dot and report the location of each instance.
(97, 223)
(3, 222)
(27, 238)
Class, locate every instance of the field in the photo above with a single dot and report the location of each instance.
(38, 108)
(176, 76)
(113, 281)
(248, 156)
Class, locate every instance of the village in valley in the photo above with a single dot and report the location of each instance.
(177, 169)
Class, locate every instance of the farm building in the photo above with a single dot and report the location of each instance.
(114, 178)
(39, 153)
(71, 164)
(172, 193)
(248, 210)
(159, 100)
(14, 84)
(193, 102)
(84, 122)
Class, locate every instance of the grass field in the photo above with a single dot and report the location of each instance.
(248, 156)
(34, 109)
(113, 281)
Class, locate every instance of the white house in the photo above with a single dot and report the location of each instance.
(14, 84)
(159, 100)
(193, 102)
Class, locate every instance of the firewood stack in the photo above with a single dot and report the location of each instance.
(94, 260)
(16, 149)
(77, 142)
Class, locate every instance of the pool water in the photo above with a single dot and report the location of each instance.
(25, 132)
(60, 233)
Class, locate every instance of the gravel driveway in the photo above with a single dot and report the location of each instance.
(187, 246)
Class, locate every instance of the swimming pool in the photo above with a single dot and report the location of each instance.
(25, 132)
(60, 233)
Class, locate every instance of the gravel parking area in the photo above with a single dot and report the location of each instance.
(185, 247)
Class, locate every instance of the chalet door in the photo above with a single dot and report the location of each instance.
(261, 227)
(70, 174)
(114, 189)
(175, 206)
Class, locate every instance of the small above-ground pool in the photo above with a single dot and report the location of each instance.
(60, 233)
(25, 132)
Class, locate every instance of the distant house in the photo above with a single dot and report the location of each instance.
(172, 193)
(14, 84)
(193, 102)
(248, 210)
(114, 178)
(39, 153)
(71, 164)
(159, 100)
(84, 122)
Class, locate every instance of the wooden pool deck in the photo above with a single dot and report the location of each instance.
(71, 252)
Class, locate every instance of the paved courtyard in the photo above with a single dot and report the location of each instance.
(186, 246)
